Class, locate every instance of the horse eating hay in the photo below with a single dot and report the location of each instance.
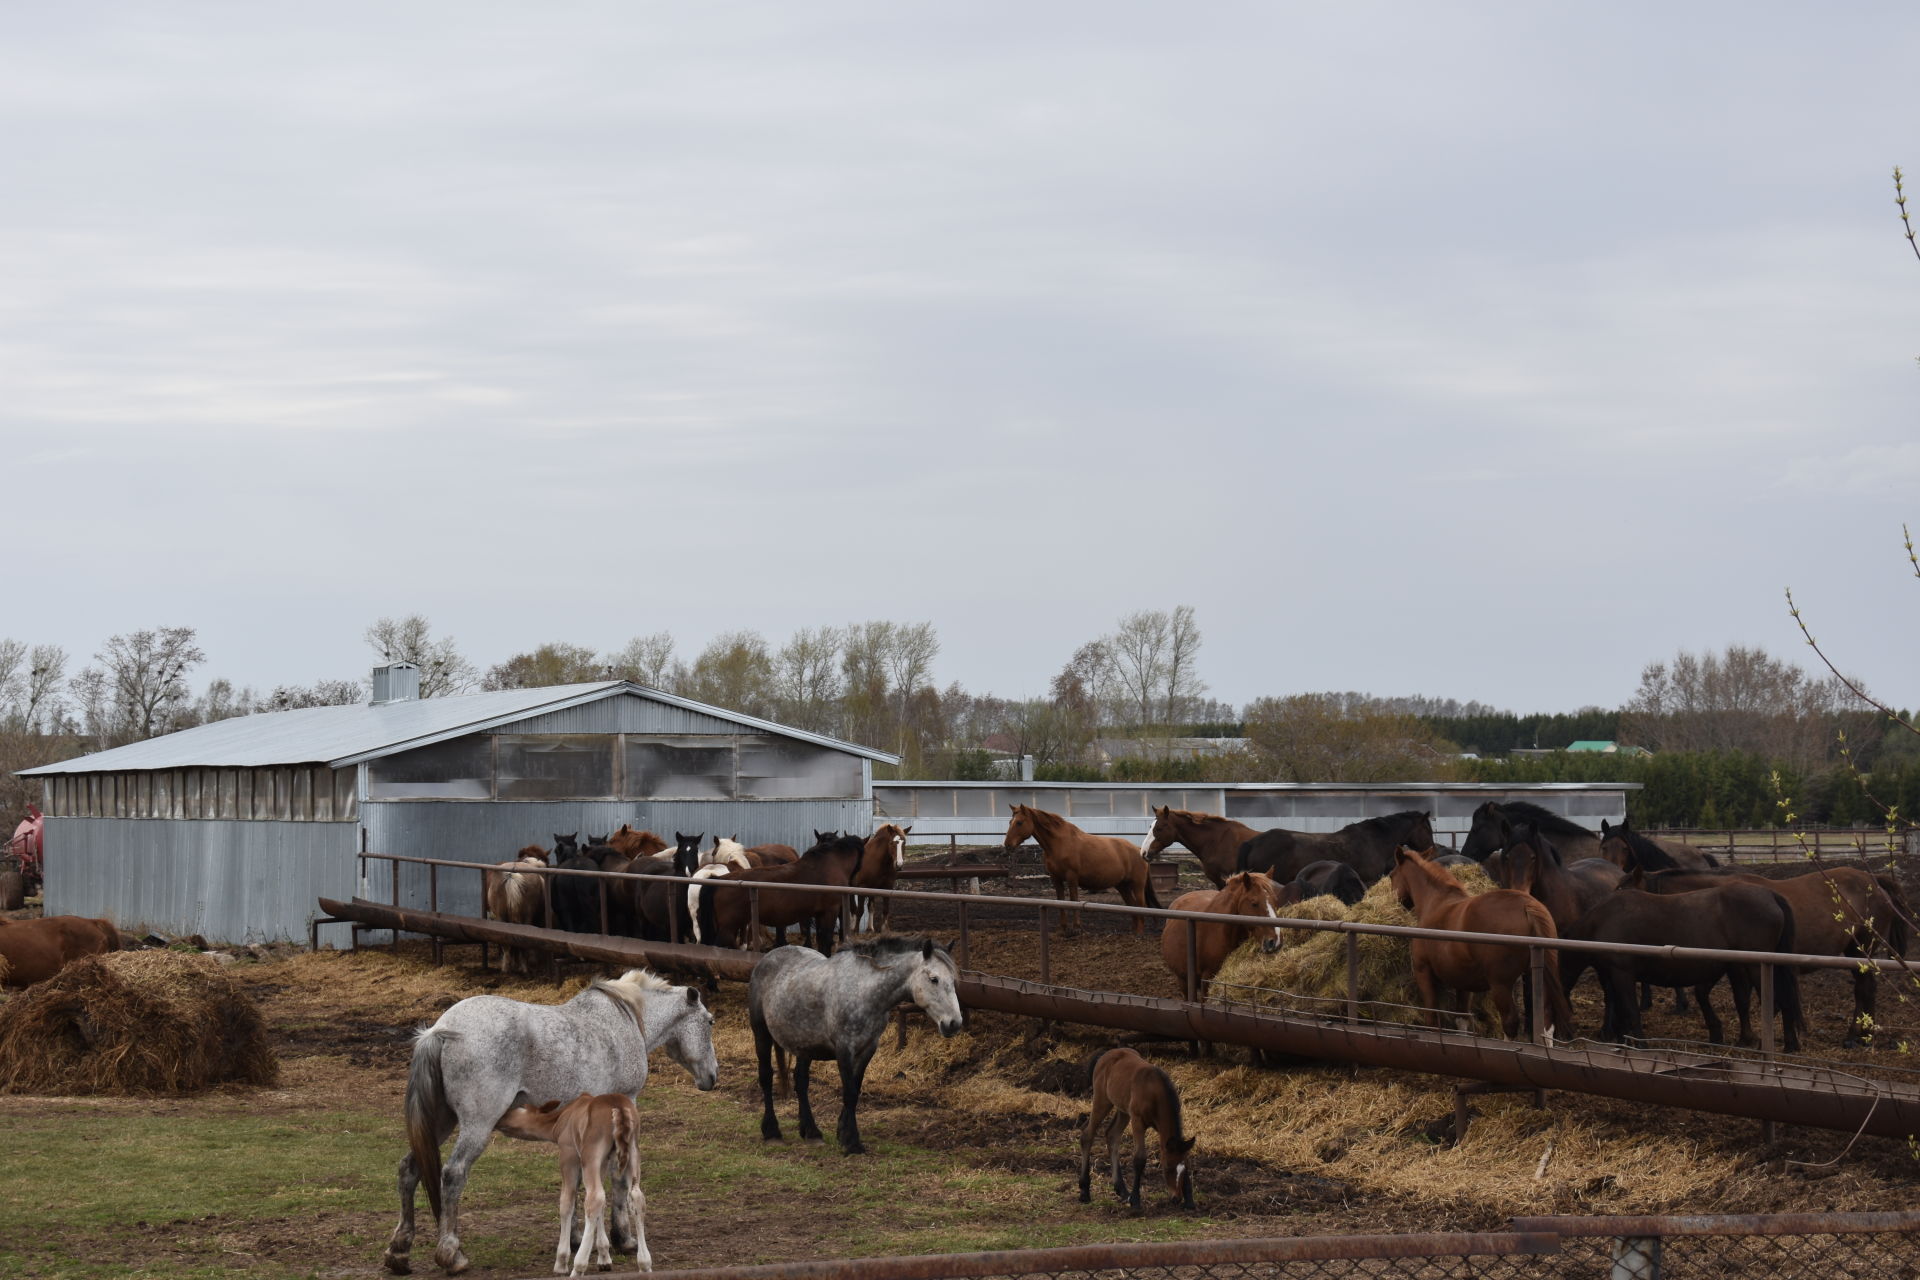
(817, 1007)
(471, 1066)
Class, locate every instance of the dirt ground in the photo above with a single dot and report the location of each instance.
(1305, 1150)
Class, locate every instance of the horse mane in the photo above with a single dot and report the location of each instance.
(888, 946)
(1541, 845)
(629, 989)
(532, 852)
(1650, 856)
(1545, 820)
(1179, 1133)
(1405, 817)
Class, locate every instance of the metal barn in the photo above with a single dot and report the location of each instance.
(234, 829)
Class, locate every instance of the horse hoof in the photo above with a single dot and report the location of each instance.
(396, 1263)
(453, 1264)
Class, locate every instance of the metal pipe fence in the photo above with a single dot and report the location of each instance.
(1885, 1246)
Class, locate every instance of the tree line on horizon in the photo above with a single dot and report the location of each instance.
(1732, 733)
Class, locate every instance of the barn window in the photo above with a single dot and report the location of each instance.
(553, 766)
(783, 769)
(460, 769)
(302, 795)
(345, 800)
(694, 768)
(196, 783)
(262, 793)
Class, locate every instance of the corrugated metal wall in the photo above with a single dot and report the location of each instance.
(492, 832)
(227, 881)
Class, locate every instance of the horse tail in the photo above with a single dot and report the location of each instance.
(626, 1150)
(1901, 915)
(1243, 861)
(426, 1103)
(1146, 889)
(1709, 859)
(1786, 978)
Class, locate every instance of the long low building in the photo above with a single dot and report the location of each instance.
(233, 830)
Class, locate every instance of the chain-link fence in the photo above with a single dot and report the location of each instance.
(1885, 1246)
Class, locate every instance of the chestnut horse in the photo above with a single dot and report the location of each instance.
(1075, 859)
(34, 950)
(1126, 1085)
(1213, 839)
(1247, 894)
(635, 844)
(1438, 901)
(1837, 911)
(880, 863)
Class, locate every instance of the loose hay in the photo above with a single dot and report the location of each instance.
(1310, 971)
(133, 1022)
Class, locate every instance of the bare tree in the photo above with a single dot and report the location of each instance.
(46, 674)
(550, 664)
(646, 660)
(1310, 738)
(1138, 649)
(321, 693)
(1740, 700)
(92, 706)
(443, 670)
(807, 680)
(13, 678)
(1183, 685)
(734, 671)
(146, 671)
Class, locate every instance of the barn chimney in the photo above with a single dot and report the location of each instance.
(396, 682)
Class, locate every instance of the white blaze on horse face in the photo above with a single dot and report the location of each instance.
(1146, 840)
(899, 851)
(1273, 939)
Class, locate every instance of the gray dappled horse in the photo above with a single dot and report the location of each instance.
(470, 1066)
(817, 1007)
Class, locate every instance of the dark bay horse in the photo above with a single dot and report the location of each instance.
(1367, 846)
(1528, 862)
(1128, 1087)
(816, 1007)
(656, 904)
(1837, 911)
(725, 911)
(1247, 895)
(1626, 848)
(1494, 821)
(1077, 860)
(1328, 879)
(1725, 917)
(1438, 901)
(1213, 839)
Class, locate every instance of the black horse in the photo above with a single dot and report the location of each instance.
(1367, 846)
(1493, 822)
(1329, 878)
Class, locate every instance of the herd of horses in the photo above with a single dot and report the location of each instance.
(1556, 879)
(717, 911)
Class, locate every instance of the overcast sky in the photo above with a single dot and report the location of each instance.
(1480, 351)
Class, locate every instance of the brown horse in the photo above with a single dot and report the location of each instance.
(1126, 1085)
(1075, 859)
(1529, 863)
(775, 855)
(880, 863)
(34, 950)
(1367, 846)
(1837, 911)
(510, 893)
(1247, 894)
(724, 911)
(1438, 901)
(636, 844)
(1729, 916)
(1213, 839)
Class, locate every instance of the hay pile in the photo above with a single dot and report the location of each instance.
(133, 1022)
(1313, 963)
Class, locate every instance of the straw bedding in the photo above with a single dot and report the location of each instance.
(133, 1022)
(1314, 963)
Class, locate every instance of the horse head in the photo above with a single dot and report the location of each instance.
(688, 1040)
(1176, 1160)
(1407, 864)
(1161, 834)
(1021, 829)
(565, 847)
(891, 842)
(932, 986)
(1250, 893)
(1486, 835)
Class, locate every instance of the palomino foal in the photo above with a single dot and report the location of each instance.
(588, 1130)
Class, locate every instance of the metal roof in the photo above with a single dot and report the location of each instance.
(341, 736)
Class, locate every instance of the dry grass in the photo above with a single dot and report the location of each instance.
(1314, 963)
(133, 1022)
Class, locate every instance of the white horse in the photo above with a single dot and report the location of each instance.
(470, 1067)
(728, 852)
